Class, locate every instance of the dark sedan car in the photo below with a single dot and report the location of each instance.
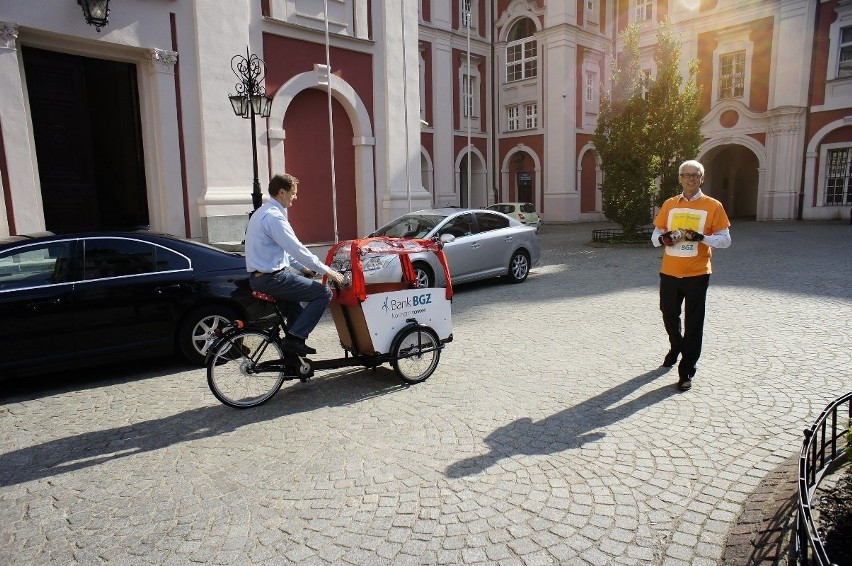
(85, 299)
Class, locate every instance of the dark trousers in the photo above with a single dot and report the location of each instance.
(291, 290)
(690, 292)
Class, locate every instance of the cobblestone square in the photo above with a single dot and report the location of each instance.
(549, 434)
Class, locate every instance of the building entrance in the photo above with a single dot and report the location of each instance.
(87, 131)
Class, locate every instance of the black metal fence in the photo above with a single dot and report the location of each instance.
(616, 235)
(824, 443)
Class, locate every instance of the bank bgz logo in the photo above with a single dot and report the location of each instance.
(404, 307)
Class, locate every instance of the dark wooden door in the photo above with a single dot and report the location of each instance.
(87, 130)
(58, 104)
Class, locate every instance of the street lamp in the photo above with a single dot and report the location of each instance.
(95, 12)
(251, 101)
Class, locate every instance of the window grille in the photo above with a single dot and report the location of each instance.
(732, 75)
(844, 66)
(512, 120)
(467, 95)
(521, 60)
(837, 178)
(531, 111)
(466, 13)
(644, 10)
(590, 86)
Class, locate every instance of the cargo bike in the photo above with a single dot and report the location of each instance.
(393, 323)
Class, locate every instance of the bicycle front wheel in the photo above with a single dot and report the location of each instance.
(236, 373)
(415, 354)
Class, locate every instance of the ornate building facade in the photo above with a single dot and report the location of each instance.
(384, 107)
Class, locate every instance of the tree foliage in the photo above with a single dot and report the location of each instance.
(642, 137)
(674, 113)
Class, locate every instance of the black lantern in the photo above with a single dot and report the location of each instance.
(251, 101)
(96, 12)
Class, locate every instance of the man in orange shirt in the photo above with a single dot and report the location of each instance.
(688, 226)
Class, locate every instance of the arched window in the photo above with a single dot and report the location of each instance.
(521, 51)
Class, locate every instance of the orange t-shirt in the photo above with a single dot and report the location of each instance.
(705, 215)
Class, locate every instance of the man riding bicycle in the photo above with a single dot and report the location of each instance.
(274, 255)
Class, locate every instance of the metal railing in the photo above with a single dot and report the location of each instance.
(823, 444)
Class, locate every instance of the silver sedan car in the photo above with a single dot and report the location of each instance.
(478, 244)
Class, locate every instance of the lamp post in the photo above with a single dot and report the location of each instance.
(251, 101)
(95, 12)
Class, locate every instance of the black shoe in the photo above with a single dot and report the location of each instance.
(671, 359)
(684, 384)
(296, 345)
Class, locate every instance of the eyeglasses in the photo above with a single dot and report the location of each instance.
(690, 175)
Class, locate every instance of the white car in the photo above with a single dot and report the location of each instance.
(478, 244)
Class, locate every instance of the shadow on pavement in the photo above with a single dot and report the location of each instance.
(566, 429)
(92, 448)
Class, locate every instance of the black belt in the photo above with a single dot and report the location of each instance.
(259, 273)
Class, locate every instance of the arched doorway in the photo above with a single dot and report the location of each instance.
(523, 175)
(732, 177)
(309, 159)
(589, 201)
(477, 196)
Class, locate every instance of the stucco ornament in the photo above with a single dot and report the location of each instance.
(162, 61)
(8, 34)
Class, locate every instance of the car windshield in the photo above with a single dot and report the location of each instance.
(504, 208)
(409, 226)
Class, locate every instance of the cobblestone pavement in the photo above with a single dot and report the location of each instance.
(548, 434)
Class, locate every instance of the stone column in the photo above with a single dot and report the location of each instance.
(24, 189)
(398, 110)
(165, 194)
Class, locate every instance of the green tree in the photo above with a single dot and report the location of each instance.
(622, 128)
(644, 137)
(674, 112)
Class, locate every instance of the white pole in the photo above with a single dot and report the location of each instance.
(330, 126)
(469, 108)
(405, 107)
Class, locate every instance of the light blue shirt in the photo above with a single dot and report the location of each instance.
(272, 245)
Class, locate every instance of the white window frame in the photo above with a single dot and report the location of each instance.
(468, 101)
(591, 79)
(524, 46)
(643, 11)
(591, 11)
(472, 7)
(592, 71)
(513, 121)
(835, 33)
(736, 40)
(728, 87)
(531, 116)
(845, 179)
(844, 68)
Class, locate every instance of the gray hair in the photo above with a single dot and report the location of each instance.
(691, 163)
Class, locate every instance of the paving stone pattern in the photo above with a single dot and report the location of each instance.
(548, 434)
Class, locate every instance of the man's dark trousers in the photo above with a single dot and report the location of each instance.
(691, 292)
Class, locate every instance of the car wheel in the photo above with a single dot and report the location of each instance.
(425, 276)
(196, 326)
(519, 267)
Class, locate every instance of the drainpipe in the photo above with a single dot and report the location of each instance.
(808, 114)
(495, 167)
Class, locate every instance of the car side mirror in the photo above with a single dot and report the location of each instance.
(447, 238)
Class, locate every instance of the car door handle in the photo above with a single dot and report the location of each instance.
(163, 289)
(42, 305)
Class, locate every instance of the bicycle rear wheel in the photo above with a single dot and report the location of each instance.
(235, 371)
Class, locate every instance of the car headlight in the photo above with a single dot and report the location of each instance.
(377, 262)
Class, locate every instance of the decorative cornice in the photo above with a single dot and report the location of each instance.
(8, 34)
(162, 60)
